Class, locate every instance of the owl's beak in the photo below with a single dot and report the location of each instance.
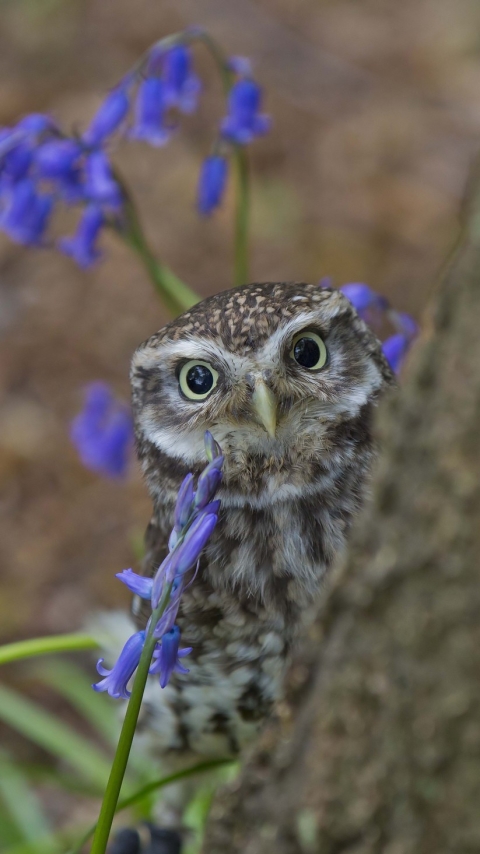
(265, 406)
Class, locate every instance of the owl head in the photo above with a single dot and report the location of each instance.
(270, 369)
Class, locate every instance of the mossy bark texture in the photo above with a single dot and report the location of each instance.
(378, 749)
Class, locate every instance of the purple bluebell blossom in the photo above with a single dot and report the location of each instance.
(167, 658)
(115, 681)
(150, 113)
(208, 483)
(184, 505)
(100, 185)
(138, 584)
(55, 158)
(82, 247)
(244, 121)
(108, 118)
(186, 555)
(182, 85)
(103, 432)
(26, 213)
(36, 123)
(362, 297)
(395, 349)
(212, 183)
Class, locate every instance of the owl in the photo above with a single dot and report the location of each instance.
(286, 376)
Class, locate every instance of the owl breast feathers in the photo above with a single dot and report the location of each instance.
(286, 376)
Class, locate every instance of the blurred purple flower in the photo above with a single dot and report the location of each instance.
(208, 483)
(117, 679)
(167, 658)
(150, 111)
(82, 246)
(56, 157)
(395, 349)
(181, 85)
(244, 121)
(26, 213)
(108, 118)
(103, 432)
(212, 183)
(100, 185)
(362, 297)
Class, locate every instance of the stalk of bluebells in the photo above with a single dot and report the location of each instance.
(41, 167)
(196, 515)
(373, 308)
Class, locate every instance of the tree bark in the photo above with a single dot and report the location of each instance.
(378, 749)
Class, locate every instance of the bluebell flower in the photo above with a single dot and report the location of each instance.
(212, 183)
(208, 483)
(395, 349)
(138, 584)
(103, 432)
(150, 110)
(26, 213)
(167, 658)
(100, 185)
(108, 118)
(117, 679)
(56, 157)
(187, 554)
(244, 121)
(36, 123)
(184, 505)
(182, 85)
(17, 161)
(82, 247)
(362, 297)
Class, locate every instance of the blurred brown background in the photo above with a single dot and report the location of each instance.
(376, 109)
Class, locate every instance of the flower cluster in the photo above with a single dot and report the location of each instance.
(103, 432)
(196, 515)
(374, 308)
(41, 167)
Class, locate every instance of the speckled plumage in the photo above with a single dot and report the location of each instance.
(287, 502)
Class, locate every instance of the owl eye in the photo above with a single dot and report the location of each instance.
(197, 379)
(309, 351)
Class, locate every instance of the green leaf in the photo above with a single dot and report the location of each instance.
(140, 794)
(72, 683)
(21, 801)
(54, 736)
(41, 646)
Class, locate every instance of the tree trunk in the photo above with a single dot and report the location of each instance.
(378, 749)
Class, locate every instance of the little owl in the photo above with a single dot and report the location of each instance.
(286, 376)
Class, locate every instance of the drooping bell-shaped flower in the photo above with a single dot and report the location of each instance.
(26, 213)
(362, 297)
(150, 113)
(115, 681)
(108, 118)
(395, 349)
(103, 432)
(138, 584)
(55, 158)
(244, 121)
(181, 85)
(100, 184)
(212, 183)
(167, 658)
(82, 247)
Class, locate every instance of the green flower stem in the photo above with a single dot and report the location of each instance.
(45, 646)
(112, 792)
(200, 768)
(242, 203)
(176, 295)
(241, 218)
